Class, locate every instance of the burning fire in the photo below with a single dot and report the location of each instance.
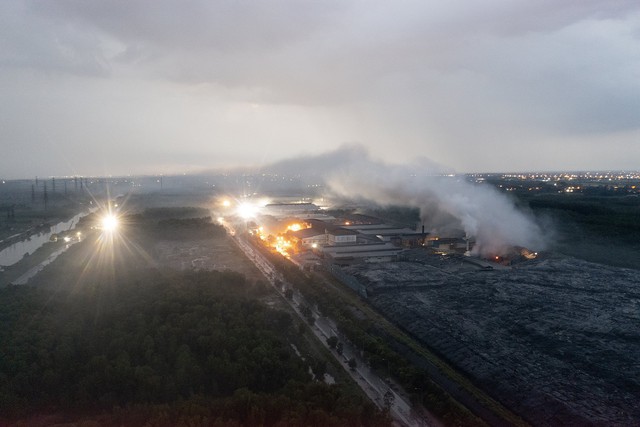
(528, 254)
(283, 246)
(278, 237)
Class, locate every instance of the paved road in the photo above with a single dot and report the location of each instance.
(373, 386)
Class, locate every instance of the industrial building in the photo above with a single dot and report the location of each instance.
(309, 238)
(344, 245)
(280, 210)
(350, 254)
(389, 233)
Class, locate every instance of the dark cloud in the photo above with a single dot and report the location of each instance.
(453, 80)
(35, 43)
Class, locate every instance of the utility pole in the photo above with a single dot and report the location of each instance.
(46, 196)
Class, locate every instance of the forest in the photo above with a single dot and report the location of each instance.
(125, 344)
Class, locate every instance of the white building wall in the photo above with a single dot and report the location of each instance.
(320, 239)
(349, 238)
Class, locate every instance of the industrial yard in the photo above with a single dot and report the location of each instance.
(549, 335)
(552, 338)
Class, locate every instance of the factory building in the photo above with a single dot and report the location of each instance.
(449, 244)
(309, 238)
(389, 233)
(358, 219)
(354, 243)
(280, 210)
(340, 236)
(350, 254)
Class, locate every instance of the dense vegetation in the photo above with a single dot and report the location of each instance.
(596, 228)
(182, 212)
(164, 223)
(159, 348)
(185, 228)
(614, 217)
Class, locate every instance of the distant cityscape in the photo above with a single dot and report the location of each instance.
(615, 182)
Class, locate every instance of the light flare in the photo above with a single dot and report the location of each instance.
(247, 210)
(109, 223)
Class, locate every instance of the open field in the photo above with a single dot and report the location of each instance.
(205, 254)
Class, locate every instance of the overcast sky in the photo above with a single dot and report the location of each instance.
(96, 87)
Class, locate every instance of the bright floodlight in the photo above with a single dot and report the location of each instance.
(109, 223)
(247, 210)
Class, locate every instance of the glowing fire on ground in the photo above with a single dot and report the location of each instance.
(283, 242)
(294, 227)
(283, 246)
(528, 254)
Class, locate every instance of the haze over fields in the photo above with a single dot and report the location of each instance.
(111, 88)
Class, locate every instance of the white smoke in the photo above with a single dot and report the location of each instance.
(480, 210)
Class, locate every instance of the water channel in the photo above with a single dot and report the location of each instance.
(14, 253)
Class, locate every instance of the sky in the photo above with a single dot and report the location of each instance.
(93, 87)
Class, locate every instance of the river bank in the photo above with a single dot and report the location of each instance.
(27, 257)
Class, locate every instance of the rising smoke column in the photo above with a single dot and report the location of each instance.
(482, 212)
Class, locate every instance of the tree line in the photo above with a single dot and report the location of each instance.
(162, 348)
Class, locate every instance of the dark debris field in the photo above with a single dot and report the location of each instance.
(555, 339)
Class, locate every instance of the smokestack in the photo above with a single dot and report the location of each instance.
(422, 228)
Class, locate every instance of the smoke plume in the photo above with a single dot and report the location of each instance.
(480, 210)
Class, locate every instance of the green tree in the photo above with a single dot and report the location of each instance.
(388, 399)
(288, 293)
(332, 342)
(353, 364)
(307, 313)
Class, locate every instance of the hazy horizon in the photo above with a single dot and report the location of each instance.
(343, 157)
